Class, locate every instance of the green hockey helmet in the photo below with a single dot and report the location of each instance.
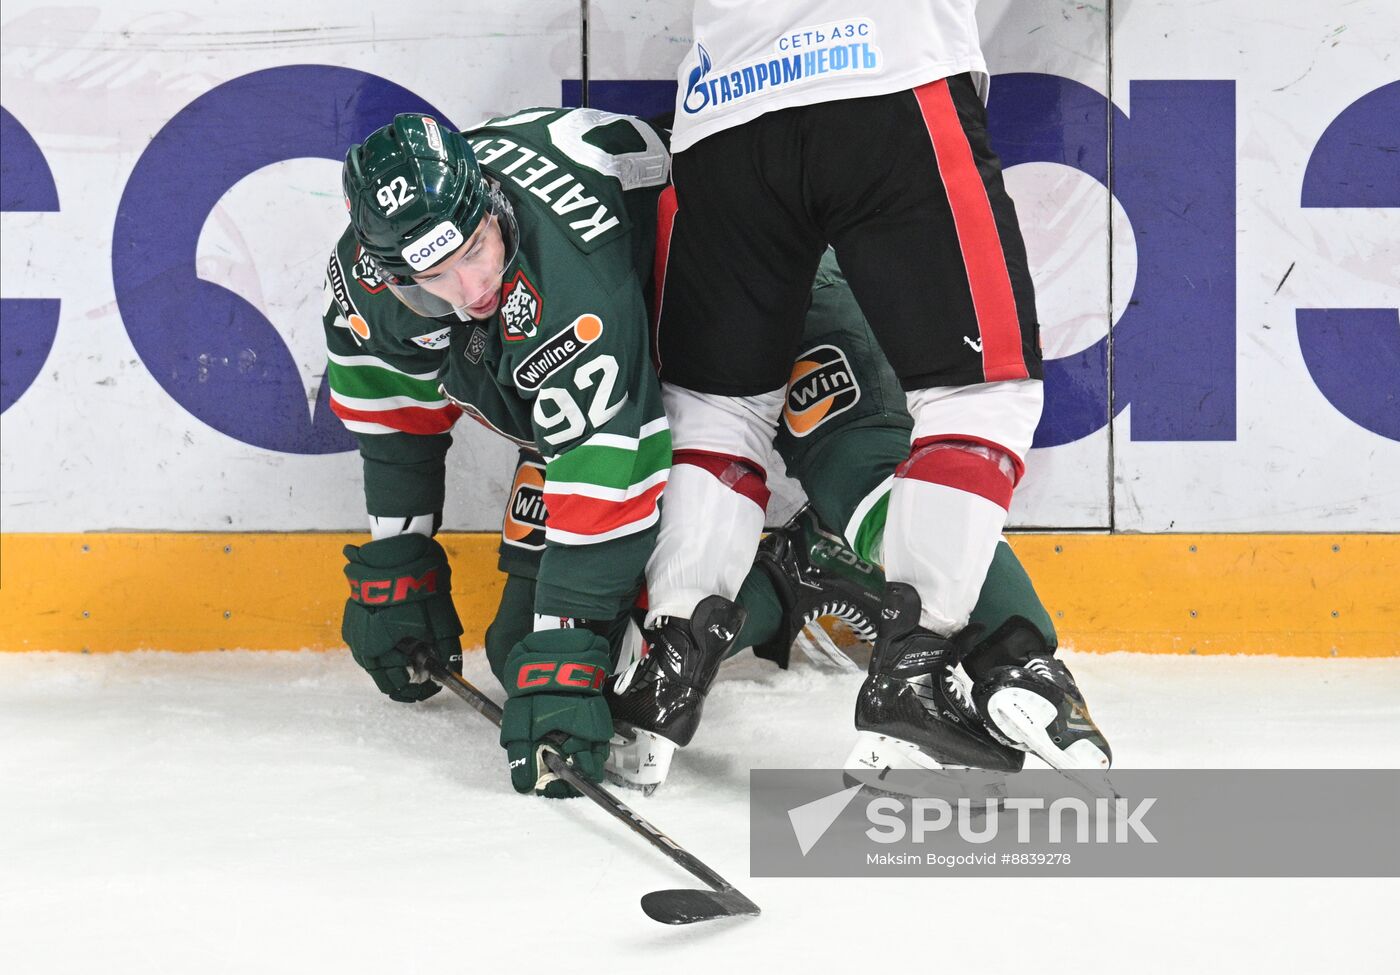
(416, 195)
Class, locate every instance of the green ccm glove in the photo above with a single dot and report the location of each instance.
(400, 589)
(554, 682)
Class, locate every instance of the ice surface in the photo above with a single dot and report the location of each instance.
(257, 812)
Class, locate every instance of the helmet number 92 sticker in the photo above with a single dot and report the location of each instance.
(393, 195)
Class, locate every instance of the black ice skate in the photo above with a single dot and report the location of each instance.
(656, 703)
(1037, 707)
(815, 574)
(914, 711)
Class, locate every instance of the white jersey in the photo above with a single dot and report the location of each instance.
(755, 56)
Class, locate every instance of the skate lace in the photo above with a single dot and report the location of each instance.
(928, 694)
(958, 689)
(634, 651)
(1040, 668)
(850, 614)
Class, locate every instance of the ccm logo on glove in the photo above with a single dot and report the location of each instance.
(373, 592)
(569, 675)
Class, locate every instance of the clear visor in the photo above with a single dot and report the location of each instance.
(468, 282)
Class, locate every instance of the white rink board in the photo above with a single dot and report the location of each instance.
(98, 440)
(1296, 463)
(95, 443)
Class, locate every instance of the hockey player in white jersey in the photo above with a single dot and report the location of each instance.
(843, 433)
(807, 123)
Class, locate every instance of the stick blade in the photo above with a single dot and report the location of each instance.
(684, 906)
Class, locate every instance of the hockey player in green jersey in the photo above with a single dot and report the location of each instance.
(505, 273)
(502, 274)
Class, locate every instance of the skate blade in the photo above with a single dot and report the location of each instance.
(618, 780)
(876, 753)
(639, 759)
(875, 756)
(1023, 716)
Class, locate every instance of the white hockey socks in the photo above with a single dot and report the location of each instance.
(713, 510)
(950, 498)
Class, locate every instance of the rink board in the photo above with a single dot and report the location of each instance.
(1209, 205)
(1293, 595)
(1209, 211)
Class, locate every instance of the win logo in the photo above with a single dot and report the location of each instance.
(524, 521)
(823, 385)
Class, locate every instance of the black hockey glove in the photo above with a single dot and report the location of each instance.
(400, 589)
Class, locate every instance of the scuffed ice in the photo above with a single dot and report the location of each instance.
(254, 812)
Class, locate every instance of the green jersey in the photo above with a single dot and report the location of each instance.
(563, 366)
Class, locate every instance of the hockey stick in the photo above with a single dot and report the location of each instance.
(680, 906)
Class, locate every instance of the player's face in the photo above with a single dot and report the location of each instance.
(469, 279)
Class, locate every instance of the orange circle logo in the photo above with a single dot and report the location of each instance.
(588, 328)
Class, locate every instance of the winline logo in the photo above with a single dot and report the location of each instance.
(553, 355)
